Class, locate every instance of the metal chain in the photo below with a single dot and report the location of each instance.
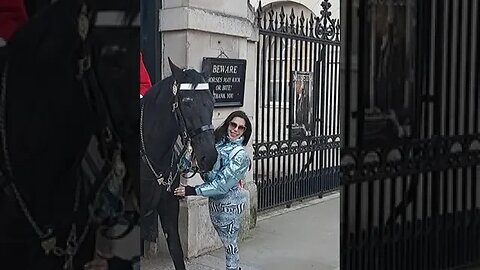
(72, 244)
(157, 175)
(6, 157)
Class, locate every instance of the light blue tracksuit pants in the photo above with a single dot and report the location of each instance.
(226, 213)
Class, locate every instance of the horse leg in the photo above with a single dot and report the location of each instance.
(168, 212)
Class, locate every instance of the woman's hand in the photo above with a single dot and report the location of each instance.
(179, 191)
(184, 190)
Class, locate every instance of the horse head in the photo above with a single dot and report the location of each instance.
(195, 104)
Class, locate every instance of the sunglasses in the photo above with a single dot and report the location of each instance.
(234, 125)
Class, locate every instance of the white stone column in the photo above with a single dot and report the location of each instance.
(191, 30)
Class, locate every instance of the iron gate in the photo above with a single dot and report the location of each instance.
(411, 133)
(296, 147)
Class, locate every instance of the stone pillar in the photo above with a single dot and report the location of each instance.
(191, 30)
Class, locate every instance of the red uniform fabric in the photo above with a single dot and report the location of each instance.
(12, 16)
(145, 82)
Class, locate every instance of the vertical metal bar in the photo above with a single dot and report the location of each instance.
(392, 229)
(318, 122)
(344, 189)
(437, 52)
(312, 171)
(301, 155)
(447, 127)
(286, 118)
(321, 111)
(403, 234)
(326, 108)
(454, 67)
(381, 223)
(281, 126)
(263, 139)
(274, 169)
(442, 113)
(448, 67)
(331, 109)
(462, 117)
(414, 228)
(329, 113)
(473, 34)
(409, 230)
(449, 218)
(455, 102)
(358, 223)
(429, 66)
(257, 121)
(475, 111)
(268, 94)
(324, 116)
(291, 158)
(337, 110)
(429, 14)
(477, 52)
(369, 240)
(475, 239)
(426, 184)
(362, 65)
(465, 118)
(295, 156)
(425, 50)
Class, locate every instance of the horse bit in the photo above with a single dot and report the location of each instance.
(182, 148)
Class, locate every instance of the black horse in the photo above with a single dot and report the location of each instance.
(177, 110)
(67, 98)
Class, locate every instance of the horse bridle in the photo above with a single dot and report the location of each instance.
(108, 144)
(182, 149)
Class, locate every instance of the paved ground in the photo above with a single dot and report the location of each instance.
(305, 236)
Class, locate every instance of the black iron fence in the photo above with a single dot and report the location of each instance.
(414, 206)
(411, 131)
(296, 147)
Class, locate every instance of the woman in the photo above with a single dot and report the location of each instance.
(222, 184)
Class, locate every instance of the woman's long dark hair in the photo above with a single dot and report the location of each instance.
(221, 131)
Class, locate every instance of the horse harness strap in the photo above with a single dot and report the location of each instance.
(178, 112)
(200, 130)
